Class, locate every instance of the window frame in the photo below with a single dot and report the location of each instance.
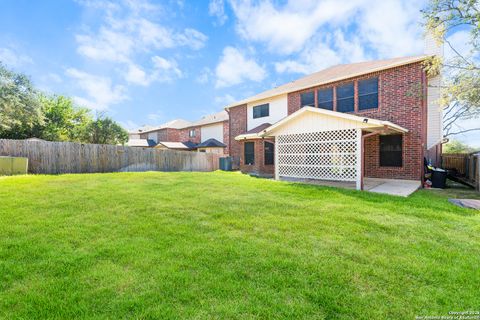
(381, 153)
(261, 108)
(192, 133)
(271, 154)
(252, 153)
(324, 101)
(301, 99)
(352, 97)
(360, 108)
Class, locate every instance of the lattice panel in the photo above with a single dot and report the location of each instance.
(328, 155)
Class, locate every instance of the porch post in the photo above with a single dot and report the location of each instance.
(275, 162)
(359, 160)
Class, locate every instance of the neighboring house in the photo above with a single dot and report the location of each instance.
(212, 146)
(173, 146)
(370, 119)
(144, 143)
(191, 134)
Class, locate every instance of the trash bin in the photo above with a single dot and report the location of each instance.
(439, 178)
(226, 164)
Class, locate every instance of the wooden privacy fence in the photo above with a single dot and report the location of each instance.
(68, 157)
(465, 164)
(455, 161)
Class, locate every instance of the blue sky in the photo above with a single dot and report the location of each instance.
(147, 62)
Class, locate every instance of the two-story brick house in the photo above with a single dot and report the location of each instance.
(374, 119)
(213, 128)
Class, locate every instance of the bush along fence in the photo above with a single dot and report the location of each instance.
(67, 157)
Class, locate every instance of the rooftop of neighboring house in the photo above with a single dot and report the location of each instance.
(332, 74)
(181, 123)
(141, 143)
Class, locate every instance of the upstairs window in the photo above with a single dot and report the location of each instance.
(307, 99)
(261, 111)
(368, 94)
(391, 151)
(325, 98)
(192, 133)
(249, 153)
(268, 151)
(345, 98)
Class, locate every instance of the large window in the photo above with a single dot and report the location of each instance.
(307, 99)
(391, 151)
(249, 152)
(261, 111)
(368, 94)
(345, 98)
(325, 98)
(191, 133)
(268, 151)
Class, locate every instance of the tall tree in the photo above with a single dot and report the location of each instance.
(461, 94)
(105, 131)
(63, 121)
(20, 108)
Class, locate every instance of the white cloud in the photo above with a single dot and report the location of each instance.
(10, 58)
(162, 70)
(204, 76)
(234, 68)
(129, 33)
(286, 29)
(316, 34)
(323, 53)
(216, 8)
(391, 27)
(225, 99)
(99, 90)
(136, 75)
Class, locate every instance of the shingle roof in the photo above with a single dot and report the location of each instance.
(174, 124)
(332, 74)
(141, 143)
(181, 124)
(211, 143)
(261, 127)
(173, 145)
(211, 118)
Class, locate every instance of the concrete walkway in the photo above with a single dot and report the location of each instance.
(394, 187)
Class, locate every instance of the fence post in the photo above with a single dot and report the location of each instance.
(477, 174)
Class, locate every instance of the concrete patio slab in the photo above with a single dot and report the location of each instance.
(466, 203)
(394, 187)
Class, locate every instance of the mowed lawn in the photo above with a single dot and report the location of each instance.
(224, 245)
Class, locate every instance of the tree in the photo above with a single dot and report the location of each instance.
(63, 121)
(455, 146)
(461, 94)
(20, 108)
(105, 131)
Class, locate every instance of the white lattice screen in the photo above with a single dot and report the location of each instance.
(328, 155)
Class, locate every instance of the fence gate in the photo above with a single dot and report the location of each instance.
(327, 155)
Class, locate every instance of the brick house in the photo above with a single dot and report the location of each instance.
(375, 119)
(213, 128)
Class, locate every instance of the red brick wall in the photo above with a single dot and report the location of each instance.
(226, 134)
(259, 167)
(237, 125)
(401, 101)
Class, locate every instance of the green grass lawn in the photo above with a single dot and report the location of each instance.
(225, 245)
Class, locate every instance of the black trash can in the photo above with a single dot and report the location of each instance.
(439, 178)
